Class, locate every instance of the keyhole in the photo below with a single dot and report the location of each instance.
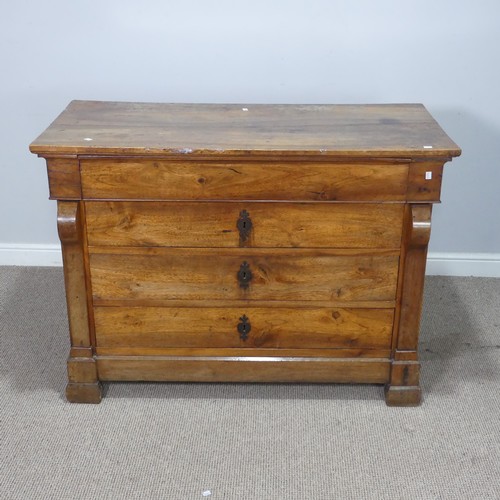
(244, 275)
(244, 327)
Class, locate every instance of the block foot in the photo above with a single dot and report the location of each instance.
(403, 395)
(84, 392)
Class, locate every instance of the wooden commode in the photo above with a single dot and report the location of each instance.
(244, 243)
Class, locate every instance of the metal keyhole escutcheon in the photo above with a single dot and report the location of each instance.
(244, 225)
(244, 275)
(244, 327)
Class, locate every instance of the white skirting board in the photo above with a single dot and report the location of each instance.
(24, 254)
(463, 264)
(442, 264)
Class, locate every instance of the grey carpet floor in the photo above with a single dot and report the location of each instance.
(176, 441)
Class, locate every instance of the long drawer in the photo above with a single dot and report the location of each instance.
(242, 274)
(105, 178)
(195, 224)
(243, 327)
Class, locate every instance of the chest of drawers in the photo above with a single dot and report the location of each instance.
(235, 243)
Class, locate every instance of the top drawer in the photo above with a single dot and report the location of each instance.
(104, 178)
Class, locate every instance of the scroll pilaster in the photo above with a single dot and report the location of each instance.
(417, 240)
(69, 226)
(83, 385)
(404, 386)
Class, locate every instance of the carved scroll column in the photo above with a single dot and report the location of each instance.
(404, 386)
(83, 385)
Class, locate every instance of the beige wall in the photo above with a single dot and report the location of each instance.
(443, 54)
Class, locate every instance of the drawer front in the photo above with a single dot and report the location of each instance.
(194, 224)
(173, 180)
(243, 274)
(244, 327)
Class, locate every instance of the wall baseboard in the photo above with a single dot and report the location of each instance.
(442, 264)
(463, 264)
(24, 254)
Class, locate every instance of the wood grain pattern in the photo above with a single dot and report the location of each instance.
(191, 224)
(414, 275)
(69, 225)
(82, 370)
(405, 355)
(403, 395)
(217, 327)
(90, 393)
(83, 385)
(404, 388)
(206, 274)
(242, 369)
(64, 178)
(420, 186)
(405, 373)
(81, 352)
(243, 352)
(224, 130)
(174, 180)
(296, 304)
(339, 198)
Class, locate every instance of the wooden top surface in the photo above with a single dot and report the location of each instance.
(222, 130)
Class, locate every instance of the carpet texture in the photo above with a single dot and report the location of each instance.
(314, 442)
